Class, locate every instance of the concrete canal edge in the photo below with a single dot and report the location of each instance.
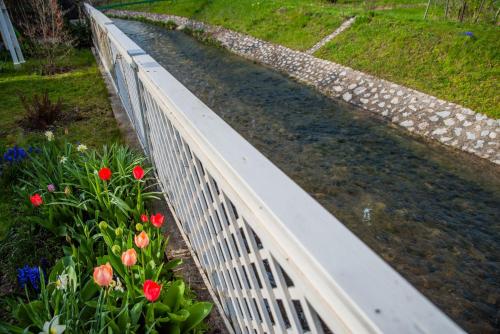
(422, 114)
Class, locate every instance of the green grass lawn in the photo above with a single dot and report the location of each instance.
(390, 39)
(84, 95)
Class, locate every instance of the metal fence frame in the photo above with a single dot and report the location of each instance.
(277, 261)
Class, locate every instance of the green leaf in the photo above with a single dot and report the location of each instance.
(90, 289)
(180, 316)
(124, 318)
(162, 308)
(6, 328)
(170, 265)
(198, 312)
(135, 313)
(175, 295)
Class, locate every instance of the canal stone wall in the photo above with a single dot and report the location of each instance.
(419, 113)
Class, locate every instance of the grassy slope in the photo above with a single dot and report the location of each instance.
(294, 23)
(431, 56)
(396, 44)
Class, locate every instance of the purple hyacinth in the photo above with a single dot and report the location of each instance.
(29, 275)
(51, 188)
(15, 154)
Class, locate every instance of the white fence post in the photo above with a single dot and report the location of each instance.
(277, 261)
(9, 35)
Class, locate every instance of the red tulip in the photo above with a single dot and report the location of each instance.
(152, 290)
(144, 218)
(36, 200)
(105, 174)
(138, 172)
(157, 220)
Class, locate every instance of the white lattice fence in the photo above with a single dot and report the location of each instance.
(275, 259)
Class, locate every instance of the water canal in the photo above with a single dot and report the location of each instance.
(431, 213)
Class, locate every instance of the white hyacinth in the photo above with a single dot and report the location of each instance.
(49, 135)
(81, 148)
(53, 327)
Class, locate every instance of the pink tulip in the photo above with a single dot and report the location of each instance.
(103, 275)
(129, 257)
(141, 240)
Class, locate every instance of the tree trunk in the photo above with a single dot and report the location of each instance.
(446, 9)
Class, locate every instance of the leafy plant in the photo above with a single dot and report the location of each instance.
(113, 277)
(41, 112)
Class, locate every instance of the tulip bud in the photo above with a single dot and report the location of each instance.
(152, 264)
(67, 191)
(103, 225)
(139, 227)
(116, 250)
(118, 231)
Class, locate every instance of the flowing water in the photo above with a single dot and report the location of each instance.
(431, 213)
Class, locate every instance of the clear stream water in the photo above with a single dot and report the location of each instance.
(431, 213)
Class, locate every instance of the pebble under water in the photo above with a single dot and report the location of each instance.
(431, 213)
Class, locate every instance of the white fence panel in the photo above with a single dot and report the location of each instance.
(277, 261)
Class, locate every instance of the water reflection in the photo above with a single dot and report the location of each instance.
(432, 214)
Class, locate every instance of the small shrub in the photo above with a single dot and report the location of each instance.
(81, 33)
(41, 112)
(43, 24)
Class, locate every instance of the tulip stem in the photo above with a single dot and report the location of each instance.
(143, 264)
(133, 285)
(139, 201)
(107, 194)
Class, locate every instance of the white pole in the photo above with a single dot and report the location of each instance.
(9, 36)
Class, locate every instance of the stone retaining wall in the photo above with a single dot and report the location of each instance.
(419, 113)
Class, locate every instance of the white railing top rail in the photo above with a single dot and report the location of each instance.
(350, 287)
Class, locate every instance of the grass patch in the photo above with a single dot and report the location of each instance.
(82, 90)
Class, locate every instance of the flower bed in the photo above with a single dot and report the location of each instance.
(114, 276)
